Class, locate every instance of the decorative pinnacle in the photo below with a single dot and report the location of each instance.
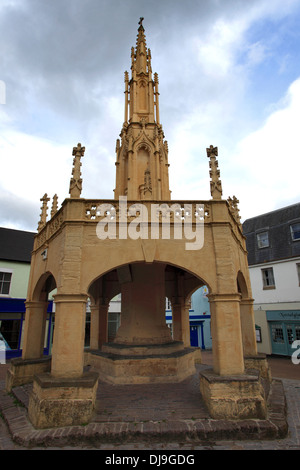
(76, 181)
(43, 218)
(54, 205)
(215, 183)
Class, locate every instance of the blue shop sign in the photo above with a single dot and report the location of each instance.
(283, 315)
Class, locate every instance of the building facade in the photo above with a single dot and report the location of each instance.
(199, 318)
(15, 255)
(273, 243)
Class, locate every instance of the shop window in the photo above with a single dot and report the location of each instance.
(277, 334)
(295, 231)
(262, 239)
(268, 278)
(10, 330)
(5, 280)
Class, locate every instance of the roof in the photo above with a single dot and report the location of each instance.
(16, 245)
(277, 223)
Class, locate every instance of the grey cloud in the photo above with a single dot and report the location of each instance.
(19, 213)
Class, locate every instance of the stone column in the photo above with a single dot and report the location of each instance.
(68, 338)
(34, 332)
(226, 334)
(143, 307)
(248, 328)
(181, 322)
(94, 333)
(99, 324)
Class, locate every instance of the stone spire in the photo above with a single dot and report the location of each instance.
(142, 153)
(141, 57)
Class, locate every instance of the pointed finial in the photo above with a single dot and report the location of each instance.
(54, 205)
(76, 181)
(141, 21)
(43, 218)
(234, 209)
(215, 183)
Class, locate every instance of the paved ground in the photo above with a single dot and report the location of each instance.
(157, 409)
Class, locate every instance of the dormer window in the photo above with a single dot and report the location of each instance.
(295, 231)
(262, 239)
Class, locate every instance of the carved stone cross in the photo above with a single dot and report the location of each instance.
(43, 218)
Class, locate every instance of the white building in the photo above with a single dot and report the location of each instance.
(273, 243)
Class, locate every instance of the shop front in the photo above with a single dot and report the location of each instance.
(12, 317)
(284, 326)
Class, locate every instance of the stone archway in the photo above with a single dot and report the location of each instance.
(36, 314)
(33, 361)
(143, 336)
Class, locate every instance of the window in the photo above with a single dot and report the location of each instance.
(258, 334)
(298, 272)
(295, 231)
(5, 279)
(277, 334)
(268, 278)
(10, 329)
(263, 239)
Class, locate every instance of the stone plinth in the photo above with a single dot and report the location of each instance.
(22, 371)
(233, 397)
(62, 401)
(138, 364)
(260, 364)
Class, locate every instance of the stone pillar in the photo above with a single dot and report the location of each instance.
(181, 322)
(22, 370)
(69, 332)
(226, 334)
(99, 324)
(248, 327)
(34, 331)
(143, 307)
(94, 332)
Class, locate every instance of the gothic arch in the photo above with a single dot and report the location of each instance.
(179, 284)
(45, 284)
(242, 285)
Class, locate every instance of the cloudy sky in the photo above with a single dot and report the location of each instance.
(229, 73)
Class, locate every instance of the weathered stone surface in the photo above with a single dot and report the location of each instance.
(56, 402)
(233, 397)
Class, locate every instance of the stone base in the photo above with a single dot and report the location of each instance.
(22, 371)
(233, 397)
(260, 364)
(62, 401)
(197, 355)
(140, 364)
